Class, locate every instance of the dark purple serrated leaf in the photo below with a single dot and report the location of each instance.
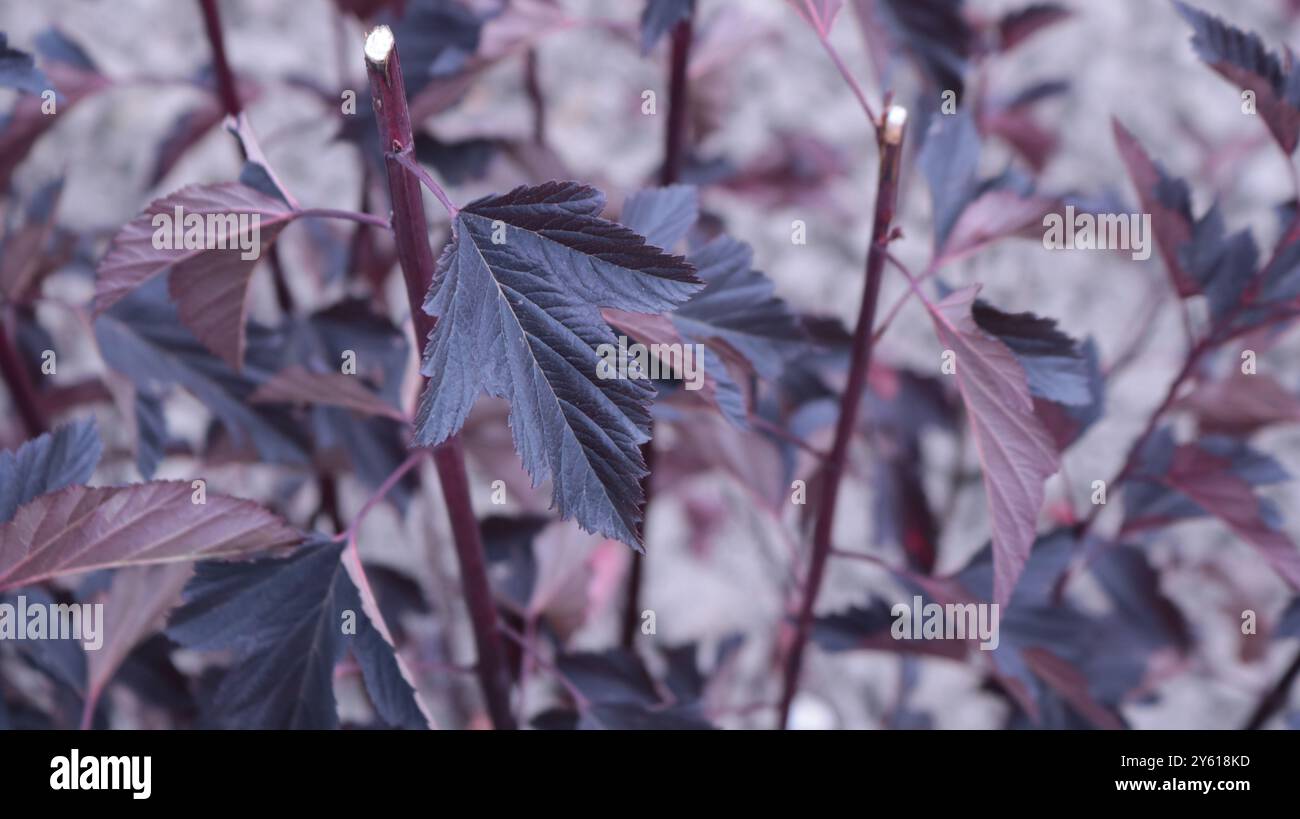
(1222, 265)
(521, 320)
(1169, 202)
(1241, 58)
(662, 215)
(1053, 362)
(284, 619)
(738, 306)
(57, 459)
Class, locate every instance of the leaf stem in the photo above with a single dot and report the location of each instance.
(823, 34)
(226, 89)
(411, 232)
(349, 215)
(407, 160)
(891, 148)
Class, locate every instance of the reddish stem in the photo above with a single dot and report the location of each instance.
(674, 145)
(224, 76)
(891, 149)
(411, 232)
(678, 103)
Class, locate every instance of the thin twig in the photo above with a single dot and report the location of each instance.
(350, 215)
(891, 149)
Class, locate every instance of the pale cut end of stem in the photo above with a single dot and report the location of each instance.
(379, 44)
(895, 120)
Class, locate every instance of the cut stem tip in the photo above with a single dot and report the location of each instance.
(895, 120)
(379, 44)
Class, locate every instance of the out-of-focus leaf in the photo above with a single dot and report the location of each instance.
(18, 70)
(520, 319)
(142, 338)
(1241, 58)
(136, 606)
(1215, 476)
(78, 529)
(299, 385)
(1240, 404)
(1019, 25)
(150, 432)
(55, 460)
(209, 274)
(1169, 202)
(659, 17)
(24, 252)
(289, 621)
(949, 158)
(662, 215)
(456, 162)
(935, 34)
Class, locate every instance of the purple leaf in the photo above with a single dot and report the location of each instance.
(55, 460)
(1016, 451)
(936, 35)
(1241, 58)
(299, 385)
(142, 338)
(209, 283)
(1167, 200)
(662, 215)
(520, 319)
(1240, 404)
(78, 529)
(287, 622)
